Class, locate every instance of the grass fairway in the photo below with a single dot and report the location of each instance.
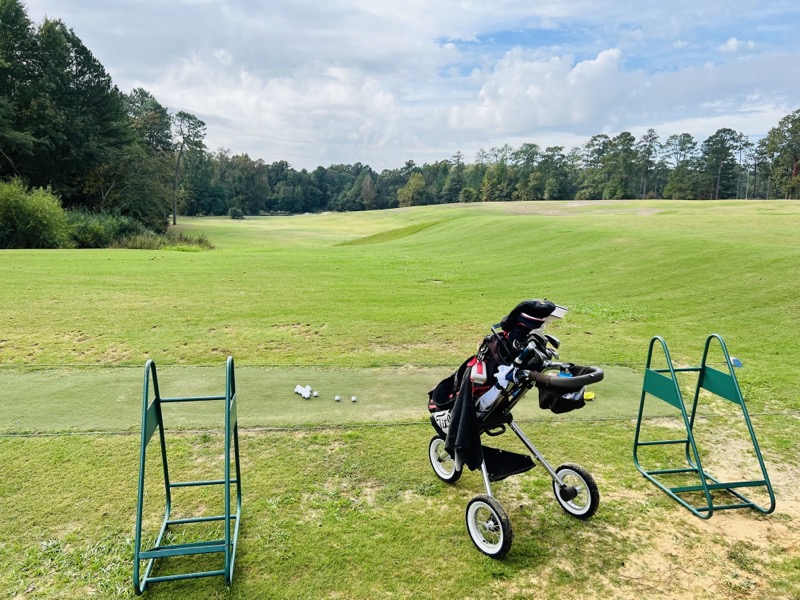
(339, 499)
(298, 291)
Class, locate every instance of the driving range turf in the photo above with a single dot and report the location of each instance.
(339, 498)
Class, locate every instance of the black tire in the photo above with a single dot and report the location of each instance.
(443, 465)
(488, 526)
(584, 504)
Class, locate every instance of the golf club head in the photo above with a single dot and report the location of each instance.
(554, 341)
(538, 340)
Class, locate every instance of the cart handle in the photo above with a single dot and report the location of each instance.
(575, 382)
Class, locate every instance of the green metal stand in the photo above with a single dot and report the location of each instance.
(151, 421)
(721, 384)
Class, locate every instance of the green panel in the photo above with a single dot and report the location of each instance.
(721, 384)
(151, 422)
(662, 387)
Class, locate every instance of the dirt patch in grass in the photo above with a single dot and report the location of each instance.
(305, 330)
(682, 556)
(685, 557)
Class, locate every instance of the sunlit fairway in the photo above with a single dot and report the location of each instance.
(339, 498)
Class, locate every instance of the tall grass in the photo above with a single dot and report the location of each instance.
(170, 240)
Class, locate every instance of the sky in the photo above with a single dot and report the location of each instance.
(380, 82)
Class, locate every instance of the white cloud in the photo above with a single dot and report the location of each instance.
(735, 45)
(224, 57)
(524, 92)
(382, 82)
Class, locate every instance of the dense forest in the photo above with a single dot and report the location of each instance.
(66, 126)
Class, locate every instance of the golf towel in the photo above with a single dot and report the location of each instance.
(463, 441)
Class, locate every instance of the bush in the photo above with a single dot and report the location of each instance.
(101, 230)
(141, 241)
(31, 219)
(169, 241)
(183, 239)
(35, 219)
(236, 213)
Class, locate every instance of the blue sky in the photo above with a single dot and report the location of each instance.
(380, 83)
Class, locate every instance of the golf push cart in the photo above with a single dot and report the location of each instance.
(477, 400)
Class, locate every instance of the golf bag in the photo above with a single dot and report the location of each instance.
(477, 399)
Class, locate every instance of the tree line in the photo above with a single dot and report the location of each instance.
(66, 126)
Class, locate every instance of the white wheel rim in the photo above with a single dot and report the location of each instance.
(581, 503)
(485, 528)
(440, 460)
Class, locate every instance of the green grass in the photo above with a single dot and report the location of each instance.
(357, 513)
(81, 400)
(392, 234)
(282, 291)
(339, 499)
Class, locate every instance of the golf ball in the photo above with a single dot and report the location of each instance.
(337, 398)
(316, 393)
(353, 399)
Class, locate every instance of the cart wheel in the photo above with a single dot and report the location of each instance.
(443, 465)
(488, 526)
(579, 497)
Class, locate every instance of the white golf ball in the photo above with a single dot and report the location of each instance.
(353, 399)
(316, 393)
(337, 398)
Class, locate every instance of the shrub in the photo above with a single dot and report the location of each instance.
(236, 213)
(183, 239)
(148, 240)
(101, 230)
(141, 241)
(31, 218)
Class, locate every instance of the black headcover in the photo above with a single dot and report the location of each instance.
(538, 309)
